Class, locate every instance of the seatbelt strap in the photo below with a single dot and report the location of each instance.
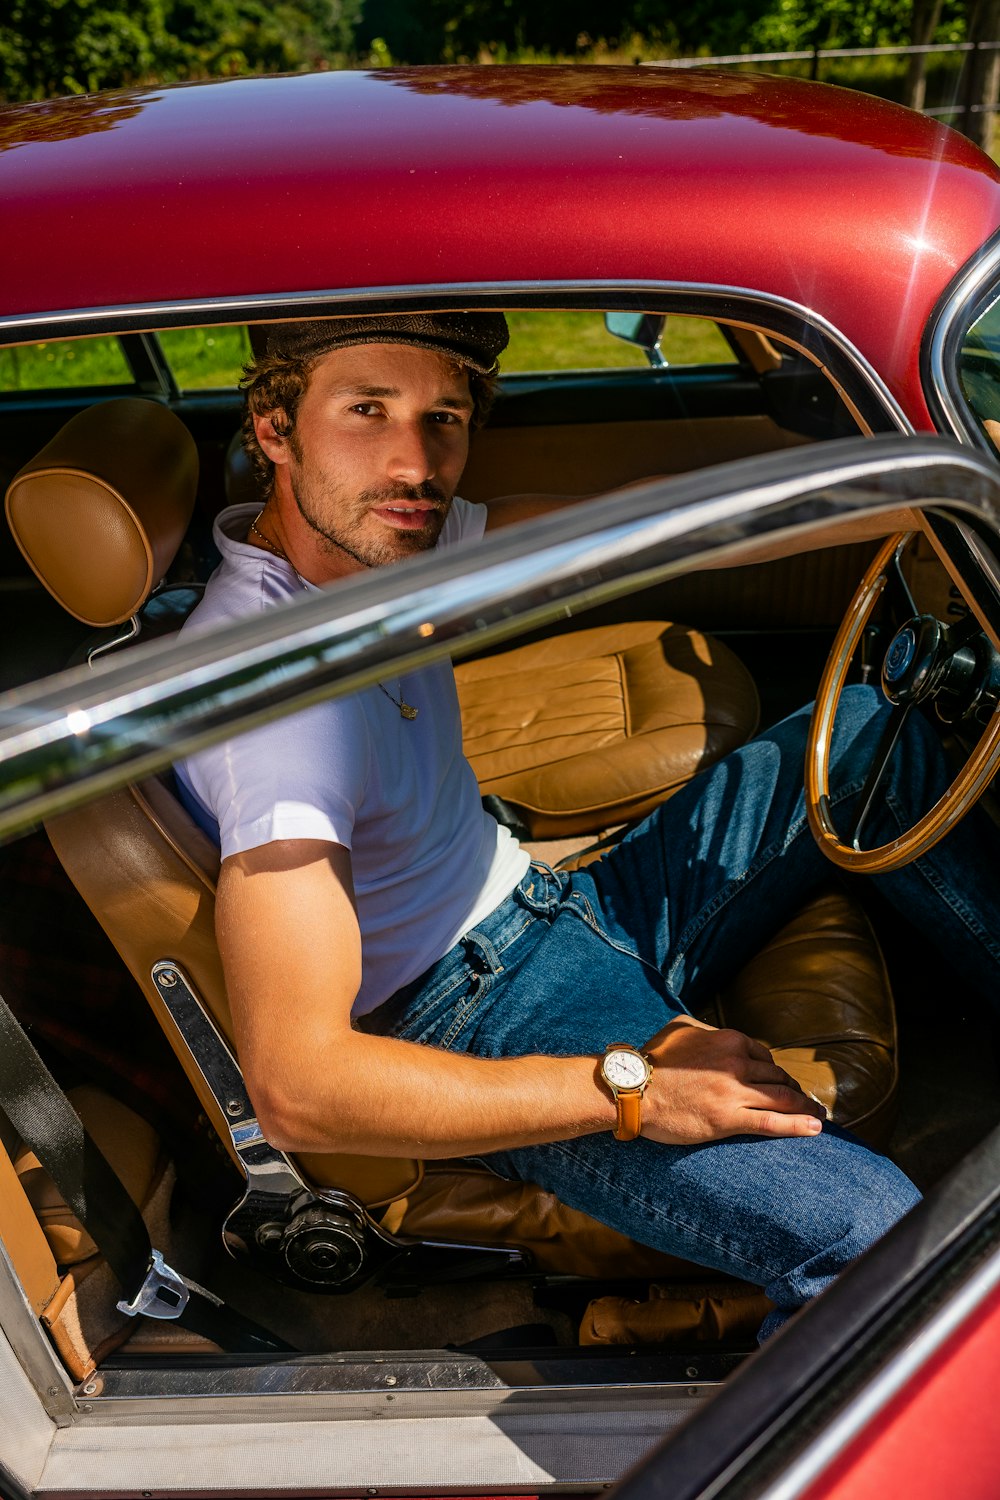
(46, 1121)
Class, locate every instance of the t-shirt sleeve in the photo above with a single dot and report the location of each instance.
(465, 522)
(302, 777)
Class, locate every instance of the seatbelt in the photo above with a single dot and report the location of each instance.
(46, 1122)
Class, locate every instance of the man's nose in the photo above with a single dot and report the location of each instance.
(412, 456)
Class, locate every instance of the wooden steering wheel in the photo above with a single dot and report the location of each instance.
(925, 660)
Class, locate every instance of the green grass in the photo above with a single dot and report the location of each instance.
(63, 364)
(203, 358)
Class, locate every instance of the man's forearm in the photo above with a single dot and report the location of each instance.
(382, 1097)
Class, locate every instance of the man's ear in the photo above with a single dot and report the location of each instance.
(272, 443)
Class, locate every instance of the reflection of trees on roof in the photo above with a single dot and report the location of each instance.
(609, 90)
(699, 93)
(63, 119)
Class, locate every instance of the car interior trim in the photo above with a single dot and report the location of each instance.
(736, 304)
(140, 714)
(36, 1360)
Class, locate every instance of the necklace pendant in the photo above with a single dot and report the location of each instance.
(408, 711)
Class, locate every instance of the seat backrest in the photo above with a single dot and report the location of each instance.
(148, 873)
(109, 498)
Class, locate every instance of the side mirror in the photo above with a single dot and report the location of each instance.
(644, 329)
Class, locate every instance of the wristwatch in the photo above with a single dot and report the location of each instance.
(626, 1071)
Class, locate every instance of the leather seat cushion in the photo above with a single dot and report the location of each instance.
(583, 731)
(818, 995)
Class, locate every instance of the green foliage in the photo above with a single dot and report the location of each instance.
(54, 47)
(429, 31)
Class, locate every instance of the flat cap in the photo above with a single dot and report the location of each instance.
(475, 339)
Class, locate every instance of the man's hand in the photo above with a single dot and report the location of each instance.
(708, 1084)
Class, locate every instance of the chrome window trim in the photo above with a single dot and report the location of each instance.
(957, 310)
(84, 732)
(528, 293)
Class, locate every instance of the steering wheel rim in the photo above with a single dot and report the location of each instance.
(968, 785)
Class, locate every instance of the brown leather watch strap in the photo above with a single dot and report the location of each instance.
(629, 1105)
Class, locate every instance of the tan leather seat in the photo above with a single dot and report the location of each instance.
(148, 874)
(584, 731)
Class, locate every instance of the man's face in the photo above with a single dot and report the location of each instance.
(380, 441)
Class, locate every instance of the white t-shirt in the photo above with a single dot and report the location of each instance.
(428, 862)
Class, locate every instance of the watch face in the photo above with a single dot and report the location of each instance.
(626, 1070)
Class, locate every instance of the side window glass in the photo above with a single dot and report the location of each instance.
(695, 341)
(61, 364)
(979, 371)
(561, 339)
(571, 340)
(205, 358)
(540, 341)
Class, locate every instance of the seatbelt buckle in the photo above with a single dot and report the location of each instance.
(163, 1293)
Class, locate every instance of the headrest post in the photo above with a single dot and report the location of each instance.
(119, 640)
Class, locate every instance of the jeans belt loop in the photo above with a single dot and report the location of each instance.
(478, 946)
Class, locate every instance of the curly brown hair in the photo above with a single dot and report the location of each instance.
(274, 383)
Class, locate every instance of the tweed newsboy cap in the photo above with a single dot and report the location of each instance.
(473, 338)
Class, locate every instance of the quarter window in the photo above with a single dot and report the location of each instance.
(205, 358)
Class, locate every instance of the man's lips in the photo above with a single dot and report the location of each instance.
(407, 516)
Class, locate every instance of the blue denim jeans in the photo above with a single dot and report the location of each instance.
(573, 961)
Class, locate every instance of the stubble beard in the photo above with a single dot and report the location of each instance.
(352, 532)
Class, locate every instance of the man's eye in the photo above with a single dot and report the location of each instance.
(366, 408)
(448, 418)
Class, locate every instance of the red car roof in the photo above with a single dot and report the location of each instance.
(412, 177)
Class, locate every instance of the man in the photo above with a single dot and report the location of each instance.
(404, 981)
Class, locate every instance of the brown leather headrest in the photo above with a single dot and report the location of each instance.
(101, 511)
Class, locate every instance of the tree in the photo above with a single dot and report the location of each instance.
(924, 23)
(981, 77)
(54, 47)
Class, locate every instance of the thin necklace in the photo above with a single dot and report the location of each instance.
(406, 710)
(266, 540)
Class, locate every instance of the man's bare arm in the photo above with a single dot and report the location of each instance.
(291, 948)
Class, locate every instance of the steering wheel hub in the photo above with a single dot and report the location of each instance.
(913, 660)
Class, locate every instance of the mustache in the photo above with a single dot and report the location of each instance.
(385, 495)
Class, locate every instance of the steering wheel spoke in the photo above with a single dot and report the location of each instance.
(897, 589)
(876, 771)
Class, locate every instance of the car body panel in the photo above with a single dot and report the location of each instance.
(939, 1435)
(516, 168)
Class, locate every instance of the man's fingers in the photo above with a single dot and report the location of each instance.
(758, 1051)
(772, 1123)
(786, 1098)
(762, 1073)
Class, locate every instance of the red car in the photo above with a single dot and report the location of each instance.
(741, 308)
